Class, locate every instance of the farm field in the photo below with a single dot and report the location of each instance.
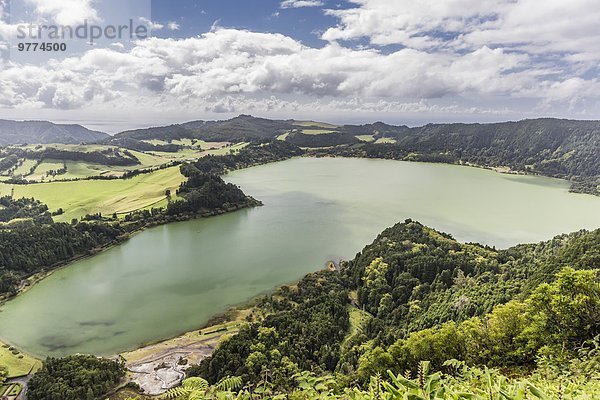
(83, 169)
(78, 198)
(311, 131)
(385, 140)
(315, 124)
(365, 138)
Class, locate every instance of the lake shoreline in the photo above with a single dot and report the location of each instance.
(146, 227)
(32, 280)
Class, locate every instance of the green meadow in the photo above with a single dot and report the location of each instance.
(17, 363)
(78, 198)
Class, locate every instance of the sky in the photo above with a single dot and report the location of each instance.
(398, 61)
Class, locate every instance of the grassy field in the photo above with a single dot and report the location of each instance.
(87, 197)
(25, 167)
(358, 321)
(365, 138)
(315, 124)
(225, 150)
(312, 131)
(385, 140)
(41, 171)
(18, 364)
(283, 136)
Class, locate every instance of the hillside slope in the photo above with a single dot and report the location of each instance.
(44, 132)
(417, 294)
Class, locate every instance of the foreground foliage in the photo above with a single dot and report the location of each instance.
(456, 382)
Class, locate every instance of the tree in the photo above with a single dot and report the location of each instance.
(566, 312)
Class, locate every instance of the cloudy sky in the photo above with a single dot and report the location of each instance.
(400, 61)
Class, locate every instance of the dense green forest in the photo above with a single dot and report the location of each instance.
(417, 295)
(109, 156)
(78, 377)
(18, 209)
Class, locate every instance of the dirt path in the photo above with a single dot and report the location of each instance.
(161, 366)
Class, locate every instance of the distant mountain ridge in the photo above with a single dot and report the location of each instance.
(568, 149)
(44, 132)
(558, 147)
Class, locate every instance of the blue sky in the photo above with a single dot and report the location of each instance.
(402, 61)
(196, 17)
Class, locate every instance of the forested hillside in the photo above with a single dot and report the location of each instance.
(416, 295)
(566, 149)
(241, 128)
(553, 147)
(43, 132)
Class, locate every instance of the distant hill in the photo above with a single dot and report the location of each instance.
(241, 128)
(43, 132)
(554, 147)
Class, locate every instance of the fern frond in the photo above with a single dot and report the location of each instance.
(230, 383)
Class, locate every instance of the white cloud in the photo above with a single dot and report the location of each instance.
(498, 52)
(236, 62)
(301, 3)
(66, 12)
(551, 27)
(172, 25)
(151, 24)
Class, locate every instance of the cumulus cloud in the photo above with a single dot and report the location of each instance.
(453, 56)
(66, 12)
(151, 24)
(568, 29)
(237, 62)
(301, 3)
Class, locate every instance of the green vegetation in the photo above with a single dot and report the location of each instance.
(456, 382)
(318, 138)
(254, 154)
(75, 377)
(280, 343)
(428, 298)
(552, 147)
(202, 192)
(23, 209)
(18, 132)
(78, 198)
(413, 300)
(366, 138)
(316, 131)
(105, 212)
(16, 363)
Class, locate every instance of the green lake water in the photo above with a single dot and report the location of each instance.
(173, 278)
